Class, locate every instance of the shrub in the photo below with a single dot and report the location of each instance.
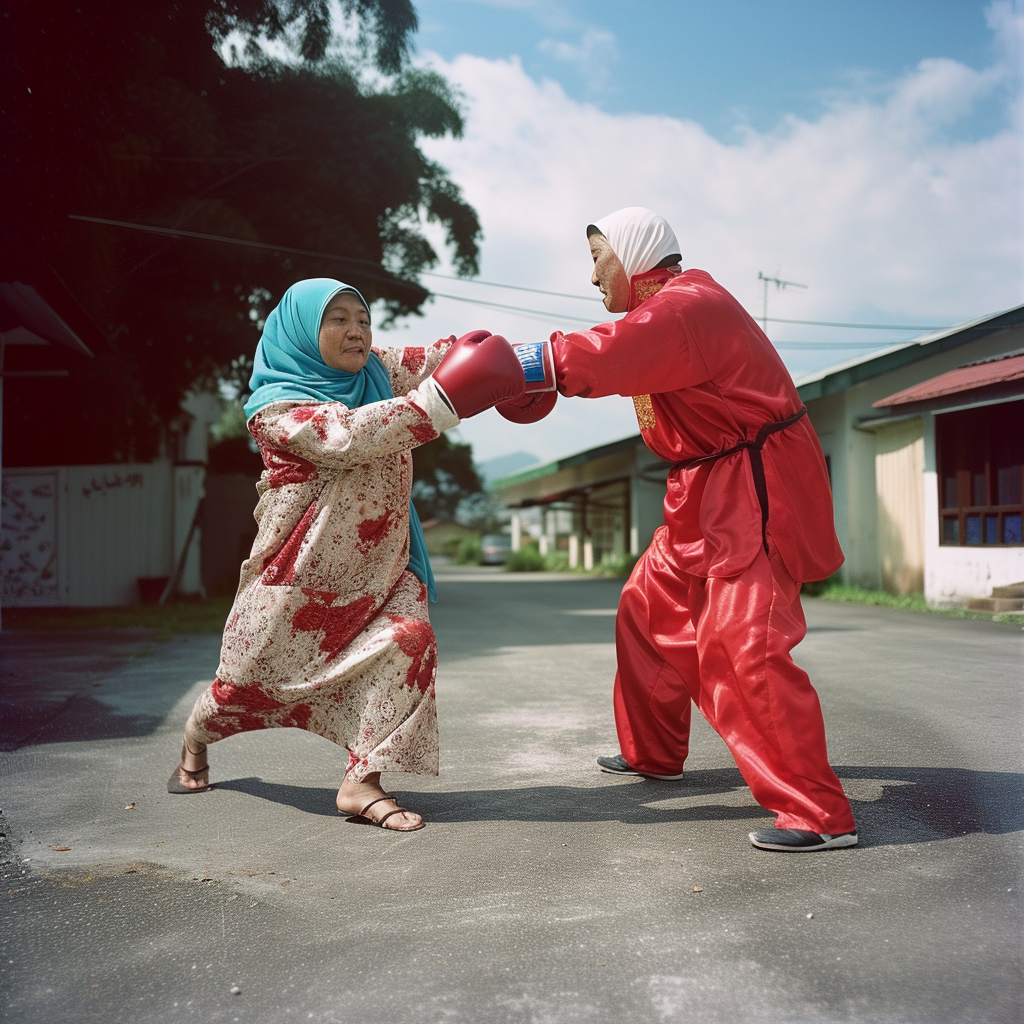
(526, 559)
(467, 552)
(557, 561)
(619, 566)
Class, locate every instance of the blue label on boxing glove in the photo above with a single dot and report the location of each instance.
(531, 356)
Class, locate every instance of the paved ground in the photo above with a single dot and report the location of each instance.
(542, 892)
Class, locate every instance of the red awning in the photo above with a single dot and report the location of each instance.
(964, 378)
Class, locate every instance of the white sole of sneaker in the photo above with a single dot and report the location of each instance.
(836, 843)
(645, 775)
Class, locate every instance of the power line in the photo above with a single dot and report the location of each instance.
(373, 270)
(513, 287)
(515, 309)
(828, 344)
(870, 327)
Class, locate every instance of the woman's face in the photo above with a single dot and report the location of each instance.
(345, 333)
(609, 275)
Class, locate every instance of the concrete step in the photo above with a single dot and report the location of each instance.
(1010, 590)
(996, 604)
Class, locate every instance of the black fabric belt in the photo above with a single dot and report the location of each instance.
(753, 450)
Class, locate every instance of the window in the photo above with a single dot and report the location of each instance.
(981, 475)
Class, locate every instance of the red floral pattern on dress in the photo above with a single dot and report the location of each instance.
(413, 358)
(340, 625)
(279, 571)
(329, 631)
(417, 640)
(423, 432)
(285, 468)
(373, 531)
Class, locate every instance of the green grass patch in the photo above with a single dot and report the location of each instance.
(162, 620)
(834, 591)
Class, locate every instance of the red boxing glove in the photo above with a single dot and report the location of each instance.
(479, 371)
(538, 362)
(530, 407)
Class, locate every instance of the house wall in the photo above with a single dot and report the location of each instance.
(647, 500)
(852, 453)
(829, 419)
(82, 536)
(899, 480)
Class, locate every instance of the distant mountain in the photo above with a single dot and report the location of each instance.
(505, 465)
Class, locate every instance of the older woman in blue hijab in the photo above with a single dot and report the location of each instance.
(329, 630)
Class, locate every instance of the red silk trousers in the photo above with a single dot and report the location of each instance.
(725, 644)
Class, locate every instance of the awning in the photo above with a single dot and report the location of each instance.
(38, 321)
(983, 374)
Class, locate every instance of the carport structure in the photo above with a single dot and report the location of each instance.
(597, 504)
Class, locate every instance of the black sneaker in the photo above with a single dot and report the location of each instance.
(796, 840)
(617, 765)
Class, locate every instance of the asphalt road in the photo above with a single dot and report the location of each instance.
(542, 891)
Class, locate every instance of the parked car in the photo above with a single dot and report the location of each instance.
(495, 548)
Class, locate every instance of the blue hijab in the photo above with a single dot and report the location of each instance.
(288, 367)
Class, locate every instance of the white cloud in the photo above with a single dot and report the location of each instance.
(870, 204)
(593, 56)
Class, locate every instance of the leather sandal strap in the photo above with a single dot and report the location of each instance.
(194, 772)
(362, 813)
(397, 810)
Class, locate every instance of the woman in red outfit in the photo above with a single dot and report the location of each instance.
(712, 609)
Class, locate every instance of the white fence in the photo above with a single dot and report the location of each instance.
(82, 536)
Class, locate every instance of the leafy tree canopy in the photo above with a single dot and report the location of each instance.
(446, 482)
(283, 122)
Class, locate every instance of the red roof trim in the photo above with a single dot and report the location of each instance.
(966, 378)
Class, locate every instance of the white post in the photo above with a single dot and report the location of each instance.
(542, 544)
(517, 532)
(634, 541)
(574, 551)
(588, 554)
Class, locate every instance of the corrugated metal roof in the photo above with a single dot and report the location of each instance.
(841, 376)
(577, 459)
(963, 378)
(38, 316)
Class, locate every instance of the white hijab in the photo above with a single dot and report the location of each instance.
(639, 237)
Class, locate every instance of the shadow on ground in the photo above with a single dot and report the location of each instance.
(913, 805)
(90, 685)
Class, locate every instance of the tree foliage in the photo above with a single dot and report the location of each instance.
(444, 478)
(307, 138)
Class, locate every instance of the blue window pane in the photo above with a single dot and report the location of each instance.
(950, 531)
(991, 529)
(974, 529)
(1011, 529)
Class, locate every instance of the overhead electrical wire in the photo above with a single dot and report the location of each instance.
(373, 270)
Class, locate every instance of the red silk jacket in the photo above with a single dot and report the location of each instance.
(704, 378)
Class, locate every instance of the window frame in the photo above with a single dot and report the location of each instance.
(965, 475)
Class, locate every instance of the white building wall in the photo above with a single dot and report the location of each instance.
(81, 536)
(854, 488)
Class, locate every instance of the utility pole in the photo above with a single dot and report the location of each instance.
(778, 284)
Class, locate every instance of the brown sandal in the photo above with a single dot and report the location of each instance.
(379, 822)
(174, 783)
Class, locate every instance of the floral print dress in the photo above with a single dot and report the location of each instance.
(329, 629)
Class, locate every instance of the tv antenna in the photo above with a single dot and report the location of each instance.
(779, 284)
